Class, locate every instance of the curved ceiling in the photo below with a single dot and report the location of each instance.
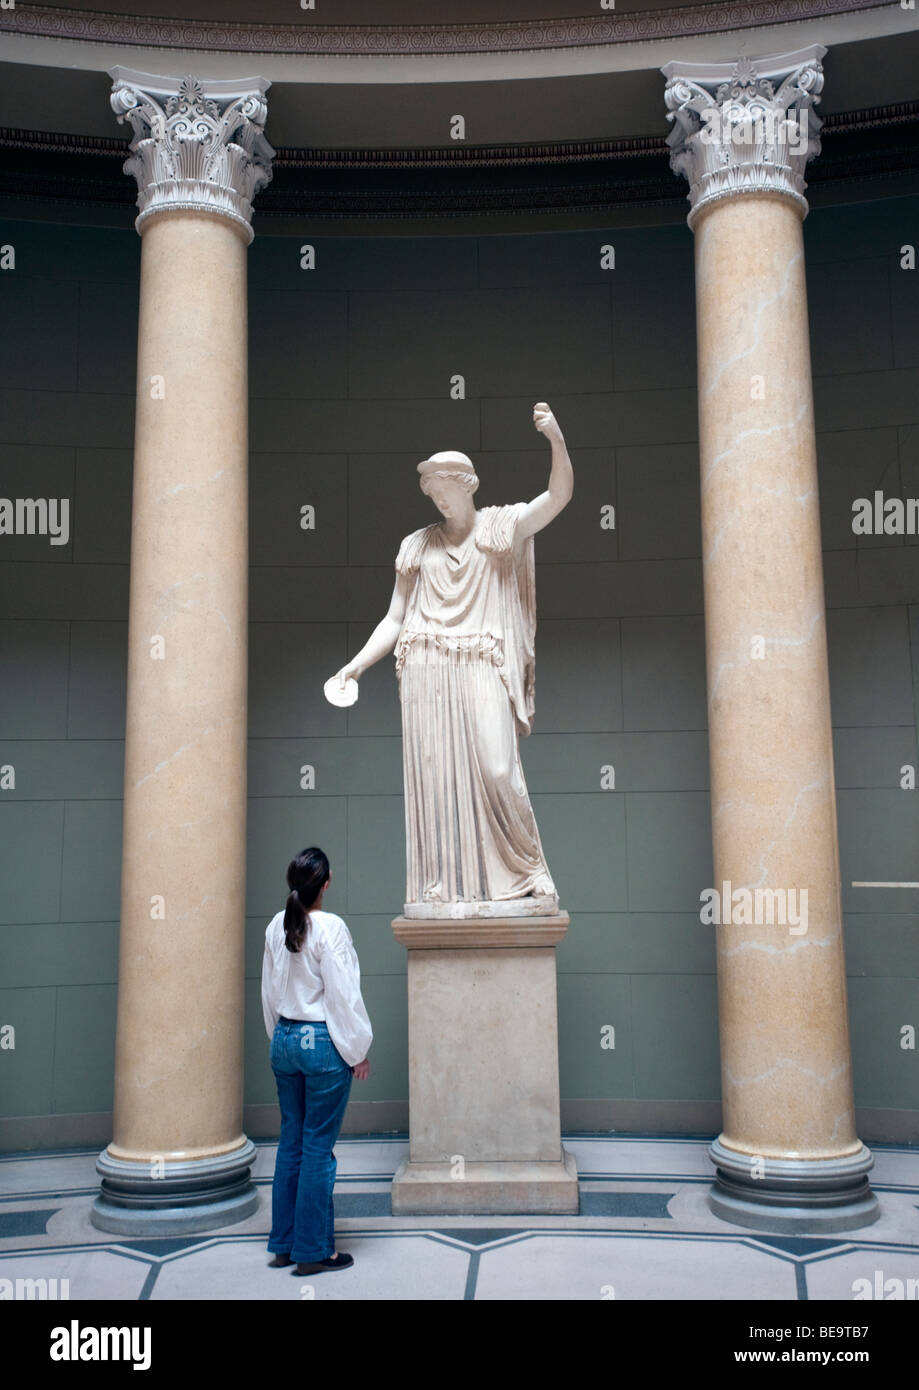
(602, 91)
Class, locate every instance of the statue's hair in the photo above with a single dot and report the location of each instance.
(468, 481)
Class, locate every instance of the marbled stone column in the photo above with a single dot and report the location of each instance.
(789, 1158)
(179, 1160)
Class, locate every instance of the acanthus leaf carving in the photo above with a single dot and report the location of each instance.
(733, 132)
(197, 145)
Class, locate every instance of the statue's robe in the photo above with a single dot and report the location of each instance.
(466, 668)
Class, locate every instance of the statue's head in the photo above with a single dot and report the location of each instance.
(445, 477)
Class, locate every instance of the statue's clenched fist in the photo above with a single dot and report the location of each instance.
(545, 421)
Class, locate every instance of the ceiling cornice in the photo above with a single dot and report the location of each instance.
(533, 183)
(407, 41)
(442, 157)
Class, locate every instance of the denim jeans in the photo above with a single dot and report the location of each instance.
(314, 1082)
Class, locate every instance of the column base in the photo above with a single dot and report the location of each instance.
(197, 1195)
(805, 1197)
(494, 1188)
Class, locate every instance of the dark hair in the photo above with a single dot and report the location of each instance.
(307, 875)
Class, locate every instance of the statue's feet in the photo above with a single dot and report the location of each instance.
(543, 888)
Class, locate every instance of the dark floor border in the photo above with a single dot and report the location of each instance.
(671, 1118)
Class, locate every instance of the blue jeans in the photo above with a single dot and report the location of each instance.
(314, 1082)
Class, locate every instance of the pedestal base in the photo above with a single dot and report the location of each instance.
(484, 1129)
(500, 1188)
(197, 1195)
(804, 1197)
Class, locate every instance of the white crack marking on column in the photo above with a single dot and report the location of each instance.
(844, 1119)
(739, 517)
(811, 787)
(764, 871)
(784, 1065)
(797, 641)
(760, 310)
(768, 950)
(159, 767)
(761, 431)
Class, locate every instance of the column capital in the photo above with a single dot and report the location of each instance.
(744, 127)
(198, 143)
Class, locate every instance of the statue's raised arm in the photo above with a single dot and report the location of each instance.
(548, 504)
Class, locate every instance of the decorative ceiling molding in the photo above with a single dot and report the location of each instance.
(443, 157)
(426, 157)
(330, 187)
(418, 40)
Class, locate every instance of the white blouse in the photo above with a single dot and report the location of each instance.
(320, 981)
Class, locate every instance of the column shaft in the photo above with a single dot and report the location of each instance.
(179, 1052)
(786, 1078)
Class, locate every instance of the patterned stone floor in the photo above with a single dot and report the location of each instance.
(644, 1233)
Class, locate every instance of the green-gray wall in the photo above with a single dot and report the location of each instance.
(350, 369)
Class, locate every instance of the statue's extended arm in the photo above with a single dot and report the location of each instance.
(383, 638)
(548, 504)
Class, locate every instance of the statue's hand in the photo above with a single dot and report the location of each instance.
(337, 690)
(350, 672)
(545, 421)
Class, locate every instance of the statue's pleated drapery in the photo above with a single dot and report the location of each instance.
(465, 662)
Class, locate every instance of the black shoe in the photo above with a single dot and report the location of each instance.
(279, 1262)
(342, 1262)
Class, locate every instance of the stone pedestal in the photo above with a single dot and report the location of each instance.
(484, 1128)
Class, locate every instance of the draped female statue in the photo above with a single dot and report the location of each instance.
(462, 622)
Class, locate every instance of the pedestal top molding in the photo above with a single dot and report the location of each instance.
(470, 933)
(744, 127)
(199, 144)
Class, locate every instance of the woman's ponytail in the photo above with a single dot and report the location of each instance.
(307, 875)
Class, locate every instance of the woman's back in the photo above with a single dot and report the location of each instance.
(320, 981)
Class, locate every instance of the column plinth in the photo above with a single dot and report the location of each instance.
(179, 1160)
(484, 1128)
(789, 1158)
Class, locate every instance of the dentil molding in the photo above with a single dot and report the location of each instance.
(418, 40)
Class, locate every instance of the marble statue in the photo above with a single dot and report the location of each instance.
(462, 623)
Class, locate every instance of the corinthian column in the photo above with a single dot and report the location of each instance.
(789, 1158)
(179, 1160)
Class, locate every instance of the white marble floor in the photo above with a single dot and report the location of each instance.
(644, 1233)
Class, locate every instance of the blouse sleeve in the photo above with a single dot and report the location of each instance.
(345, 1014)
(269, 1009)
